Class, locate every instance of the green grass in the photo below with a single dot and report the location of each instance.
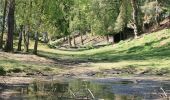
(150, 52)
(15, 66)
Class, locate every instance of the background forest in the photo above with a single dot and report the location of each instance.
(61, 21)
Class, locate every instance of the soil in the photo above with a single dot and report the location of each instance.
(8, 80)
(25, 57)
(70, 68)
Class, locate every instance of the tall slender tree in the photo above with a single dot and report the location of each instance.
(3, 25)
(135, 17)
(9, 40)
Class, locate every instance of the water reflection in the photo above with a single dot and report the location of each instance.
(78, 89)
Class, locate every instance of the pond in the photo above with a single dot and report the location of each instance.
(87, 89)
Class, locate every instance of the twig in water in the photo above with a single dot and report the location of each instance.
(72, 93)
(91, 93)
(165, 94)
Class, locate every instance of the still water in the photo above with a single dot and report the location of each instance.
(87, 89)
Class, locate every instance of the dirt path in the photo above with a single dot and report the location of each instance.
(64, 67)
(69, 67)
(24, 57)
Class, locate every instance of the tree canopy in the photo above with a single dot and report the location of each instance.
(61, 18)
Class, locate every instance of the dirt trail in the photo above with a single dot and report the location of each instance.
(24, 57)
(68, 67)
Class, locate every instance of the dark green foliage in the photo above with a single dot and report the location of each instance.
(2, 71)
(121, 20)
(72, 18)
(15, 70)
(47, 69)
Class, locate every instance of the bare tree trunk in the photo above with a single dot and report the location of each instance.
(157, 15)
(65, 38)
(20, 38)
(74, 41)
(113, 39)
(36, 43)
(9, 41)
(135, 17)
(3, 25)
(45, 37)
(69, 41)
(107, 38)
(124, 35)
(120, 36)
(26, 39)
(81, 37)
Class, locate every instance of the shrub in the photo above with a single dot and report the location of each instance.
(47, 69)
(15, 70)
(2, 71)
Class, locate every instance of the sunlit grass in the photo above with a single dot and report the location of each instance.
(148, 52)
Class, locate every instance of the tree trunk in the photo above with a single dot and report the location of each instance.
(124, 35)
(120, 36)
(45, 37)
(157, 15)
(81, 37)
(26, 39)
(9, 41)
(36, 43)
(20, 38)
(3, 25)
(135, 17)
(69, 41)
(107, 38)
(113, 40)
(74, 41)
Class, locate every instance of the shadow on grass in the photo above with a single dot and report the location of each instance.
(62, 59)
(157, 53)
(83, 48)
(137, 53)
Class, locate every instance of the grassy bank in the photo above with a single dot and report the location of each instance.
(149, 54)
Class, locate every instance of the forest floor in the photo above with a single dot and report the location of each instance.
(147, 55)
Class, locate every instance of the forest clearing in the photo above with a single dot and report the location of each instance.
(127, 57)
(84, 49)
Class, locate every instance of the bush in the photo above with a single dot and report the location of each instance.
(53, 44)
(90, 46)
(47, 69)
(2, 71)
(15, 70)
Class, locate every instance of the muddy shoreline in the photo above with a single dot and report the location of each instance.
(29, 79)
(137, 86)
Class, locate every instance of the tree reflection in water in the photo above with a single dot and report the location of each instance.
(78, 89)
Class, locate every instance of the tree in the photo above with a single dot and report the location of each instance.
(78, 22)
(36, 37)
(60, 16)
(121, 21)
(103, 16)
(20, 38)
(3, 25)
(24, 19)
(152, 12)
(9, 41)
(135, 17)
